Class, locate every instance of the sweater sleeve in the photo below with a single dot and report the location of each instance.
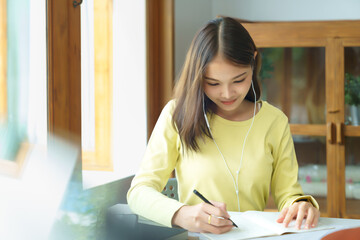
(284, 184)
(144, 196)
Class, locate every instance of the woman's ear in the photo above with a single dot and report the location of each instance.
(255, 62)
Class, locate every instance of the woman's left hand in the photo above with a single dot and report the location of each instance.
(299, 211)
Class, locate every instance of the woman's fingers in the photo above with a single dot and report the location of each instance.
(202, 218)
(218, 221)
(216, 216)
(222, 206)
(214, 224)
(309, 219)
(313, 218)
(209, 228)
(291, 213)
(300, 211)
(282, 215)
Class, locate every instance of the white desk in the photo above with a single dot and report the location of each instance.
(337, 223)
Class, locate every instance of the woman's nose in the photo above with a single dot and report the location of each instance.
(227, 92)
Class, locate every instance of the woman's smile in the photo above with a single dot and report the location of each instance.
(228, 102)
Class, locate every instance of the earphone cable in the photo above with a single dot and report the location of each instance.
(236, 186)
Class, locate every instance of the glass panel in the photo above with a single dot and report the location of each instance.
(293, 79)
(106, 71)
(352, 86)
(311, 156)
(352, 175)
(23, 107)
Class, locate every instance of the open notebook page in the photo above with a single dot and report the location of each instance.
(259, 224)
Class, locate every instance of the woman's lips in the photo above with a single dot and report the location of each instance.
(228, 102)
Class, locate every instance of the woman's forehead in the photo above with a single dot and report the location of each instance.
(221, 66)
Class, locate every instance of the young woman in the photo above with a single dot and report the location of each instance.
(221, 140)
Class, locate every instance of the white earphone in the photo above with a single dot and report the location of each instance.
(236, 184)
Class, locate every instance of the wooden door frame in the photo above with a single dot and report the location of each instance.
(160, 57)
(64, 69)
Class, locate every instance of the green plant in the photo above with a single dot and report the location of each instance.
(267, 63)
(352, 89)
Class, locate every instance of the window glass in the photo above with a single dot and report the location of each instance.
(352, 86)
(23, 108)
(113, 89)
(293, 79)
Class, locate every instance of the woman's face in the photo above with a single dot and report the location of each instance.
(227, 84)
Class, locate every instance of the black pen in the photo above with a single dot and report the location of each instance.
(207, 201)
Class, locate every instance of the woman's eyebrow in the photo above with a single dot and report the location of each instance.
(213, 79)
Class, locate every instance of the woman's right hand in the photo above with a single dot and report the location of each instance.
(196, 218)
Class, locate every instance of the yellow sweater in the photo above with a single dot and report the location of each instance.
(269, 162)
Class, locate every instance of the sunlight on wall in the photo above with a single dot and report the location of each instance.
(129, 89)
(129, 123)
(37, 102)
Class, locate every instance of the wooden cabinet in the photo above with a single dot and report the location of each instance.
(304, 66)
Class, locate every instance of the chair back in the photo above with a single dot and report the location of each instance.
(171, 189)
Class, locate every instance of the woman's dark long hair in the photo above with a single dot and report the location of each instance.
(225, 36)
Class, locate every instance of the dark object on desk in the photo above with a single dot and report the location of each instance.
(123, 224)
(345, 234)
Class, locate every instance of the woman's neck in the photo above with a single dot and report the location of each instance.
(243, 113)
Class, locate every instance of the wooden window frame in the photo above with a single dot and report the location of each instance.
(160, 74)
(160, 57)
(101, 158)
(64, 74)
(64, 70)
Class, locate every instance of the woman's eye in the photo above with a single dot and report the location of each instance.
(239, 81)
(213, 84)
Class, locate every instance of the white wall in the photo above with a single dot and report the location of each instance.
(129, 86)
(129, 89)
(288, 10)
(190, 15)
(37, 102)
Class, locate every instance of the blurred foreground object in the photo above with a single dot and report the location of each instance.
(345, 234)
(29, 203)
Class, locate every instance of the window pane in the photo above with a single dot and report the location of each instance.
(352, 86)
(113, 89)
(293, 79)
(352, 175)
(311, 156)
(23, 113)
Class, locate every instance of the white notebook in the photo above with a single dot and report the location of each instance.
(254, 224)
